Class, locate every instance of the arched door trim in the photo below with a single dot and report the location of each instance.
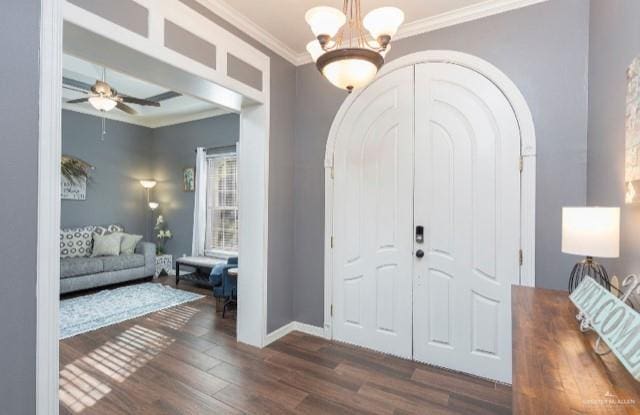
(528, 153)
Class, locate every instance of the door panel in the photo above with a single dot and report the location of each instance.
(373, 187)
(467, 196)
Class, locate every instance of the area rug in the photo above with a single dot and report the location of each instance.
(82, 314)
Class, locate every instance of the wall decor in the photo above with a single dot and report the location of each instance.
(74, 175)
(617, 324)
(632, 134)
(73, 190)
(189, 176)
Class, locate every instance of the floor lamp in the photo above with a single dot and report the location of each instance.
(592, 232)
(148, 185)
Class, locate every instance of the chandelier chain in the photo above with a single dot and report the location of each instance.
(352, 34)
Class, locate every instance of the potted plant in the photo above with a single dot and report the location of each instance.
(163, 233)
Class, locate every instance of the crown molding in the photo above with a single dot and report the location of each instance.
(250, 28)
(451, 18)
(148, 122)
(462, 15)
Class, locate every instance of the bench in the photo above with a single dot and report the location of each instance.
(202, 265)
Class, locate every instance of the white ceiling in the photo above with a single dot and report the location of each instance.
(171, 111)
(282, 21)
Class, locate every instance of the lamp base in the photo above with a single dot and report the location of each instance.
(588, 267)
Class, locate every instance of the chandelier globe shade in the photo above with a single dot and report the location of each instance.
(344, 53)
(325, 20)
(383, 21)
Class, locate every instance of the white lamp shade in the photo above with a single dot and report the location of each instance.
(383, 21)
(325, 20)
(350, 73)
(591, 231)
(102, 103)
(153, 205)
(315, 50)
(148, 184)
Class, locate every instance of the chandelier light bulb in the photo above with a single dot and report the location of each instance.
(383, 21)
(101, 103)
(325, 21)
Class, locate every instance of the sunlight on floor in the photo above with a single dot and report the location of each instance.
(175, 317)
(117, 359)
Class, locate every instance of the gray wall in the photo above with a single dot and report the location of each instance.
(281, 191)
(130, 153)
(123, 159)
(614, 43)
(173, 150)
(544, 50)
(19, 82)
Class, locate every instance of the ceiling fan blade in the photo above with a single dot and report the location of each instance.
(126, 108)
(139, 101)
(78, 101)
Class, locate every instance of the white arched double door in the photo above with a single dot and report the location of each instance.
(426, 219)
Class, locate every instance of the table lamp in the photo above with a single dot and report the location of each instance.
(592, 232)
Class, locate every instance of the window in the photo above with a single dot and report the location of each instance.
(222, 205)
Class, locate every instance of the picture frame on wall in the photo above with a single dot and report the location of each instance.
(632, 134)
(189, 178)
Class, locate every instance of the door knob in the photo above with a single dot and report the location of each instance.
(419, 253)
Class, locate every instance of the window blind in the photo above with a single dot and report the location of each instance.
(222, 204)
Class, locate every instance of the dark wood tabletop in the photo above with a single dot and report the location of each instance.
(555, 370)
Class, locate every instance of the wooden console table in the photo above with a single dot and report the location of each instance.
(555, 370)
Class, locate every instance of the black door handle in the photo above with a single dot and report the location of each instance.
(419, 253)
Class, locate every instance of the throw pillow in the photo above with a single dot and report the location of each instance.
(129, 243)
(76, 242)
(106, 230)
(106, 245)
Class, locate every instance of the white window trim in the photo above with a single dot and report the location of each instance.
(221, 253)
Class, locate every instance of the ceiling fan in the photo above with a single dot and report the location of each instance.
(105, 98)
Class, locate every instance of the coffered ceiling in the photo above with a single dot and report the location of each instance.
(280, 24)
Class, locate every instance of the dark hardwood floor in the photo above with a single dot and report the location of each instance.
(185, 360)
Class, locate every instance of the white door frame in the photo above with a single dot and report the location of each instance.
(528, 153)
(254, 172)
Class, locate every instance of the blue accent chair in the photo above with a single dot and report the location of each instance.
(225, 286)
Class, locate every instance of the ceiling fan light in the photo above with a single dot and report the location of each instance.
(101, 103)
(315, 50)
(325, 20)
(350, 68)
(383, 21)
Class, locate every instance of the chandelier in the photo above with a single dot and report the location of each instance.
(343, 52)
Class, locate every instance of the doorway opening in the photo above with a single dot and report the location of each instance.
(92, 38)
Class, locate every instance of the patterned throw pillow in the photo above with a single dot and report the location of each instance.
(106, 230)
(129, 243)
(76, 242)
(106, 245)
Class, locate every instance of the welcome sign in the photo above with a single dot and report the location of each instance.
(616, 323)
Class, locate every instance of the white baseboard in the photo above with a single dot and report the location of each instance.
(294, 326)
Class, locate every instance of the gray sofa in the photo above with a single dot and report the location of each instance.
(84, 272)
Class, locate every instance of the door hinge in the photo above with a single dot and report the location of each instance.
(521, 164)
(332, 172)
(331, 241)
(520, 257)
(331, 310)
